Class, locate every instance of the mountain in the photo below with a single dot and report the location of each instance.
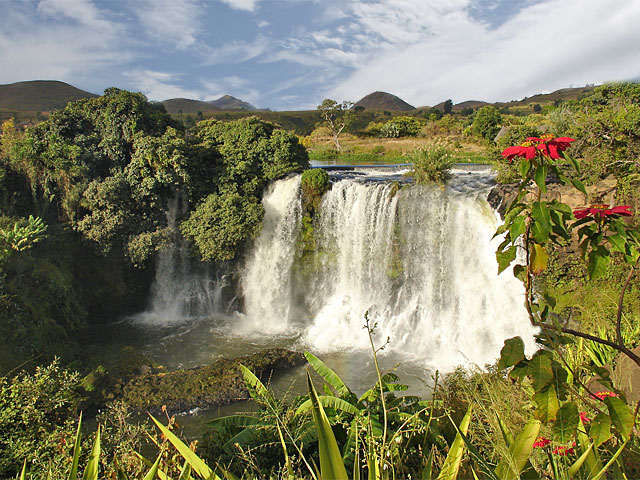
(185, 105)
(39, 95)
(383, 101)
(228, 102)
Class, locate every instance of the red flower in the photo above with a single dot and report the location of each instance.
(541, 442)
(562, 451)
(547, 146)
(603, 395)
(584, 418)
(602, 211)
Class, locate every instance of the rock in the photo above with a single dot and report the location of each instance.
(626, 377)
(220, 383)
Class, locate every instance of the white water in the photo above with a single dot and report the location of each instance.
(183, 288)
(421, 262)
(266, 280)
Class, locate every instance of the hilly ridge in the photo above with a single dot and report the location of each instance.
(39, 95)
(383, 101)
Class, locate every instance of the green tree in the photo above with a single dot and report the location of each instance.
(337, 116)
(447, 107)
(486, 123)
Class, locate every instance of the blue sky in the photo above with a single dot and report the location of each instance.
(291, 54)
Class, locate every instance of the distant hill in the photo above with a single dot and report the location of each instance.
(383, 101)
(228, 102)
(185, 105)
(39, 95)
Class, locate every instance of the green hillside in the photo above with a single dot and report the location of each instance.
(39, 95)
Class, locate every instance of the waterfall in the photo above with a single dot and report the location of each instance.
(184, 288)
(266, 281)
(420, 261)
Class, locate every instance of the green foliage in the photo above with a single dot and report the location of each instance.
(36, 420)
(432, 163)
(314, 184)
(486, 122)
(337, 116)
(508, 172)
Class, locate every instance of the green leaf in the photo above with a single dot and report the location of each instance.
(151, 474)
(427, 473)
(486, 469)
(256, 386)
(525, 166)
(611, 461)
(505, 258)
(328, 374)
(329, 402)
(573, 470)
(547, 402)
(189, 455)
(331, 464)
(566, 423)
(542, 226)
(73, 473)
(579, 185)
(512, 352)
(540, 369)
(23, 473)
(454, 457)
(91, 470)
(239, 421)
(541, 178)
(600, 429)
(538, 259)
(517, 228)
(520, 450)
(620, 415)
(597, 263)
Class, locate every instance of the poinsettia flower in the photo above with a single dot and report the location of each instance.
(602, 211)
(547, 146)
(562, 451)
(584, 417)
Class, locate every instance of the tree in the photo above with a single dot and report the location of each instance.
(338, 116)
(448, 106)
(486, 123)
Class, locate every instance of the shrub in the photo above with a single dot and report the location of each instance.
(431, 163)
(314, 183)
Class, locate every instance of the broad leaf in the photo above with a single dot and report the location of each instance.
(540, 369)
(566, 423)
(597, 263)
(511, 353)
(547, 402)
(620, 415)
(600, 429)
(505, 258)
(517, 227)
(579, 185)
(329, 402)
(520, 450)
(328, 374)
(538, 259)
(541, 178)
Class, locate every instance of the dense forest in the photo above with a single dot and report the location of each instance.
(84, 197)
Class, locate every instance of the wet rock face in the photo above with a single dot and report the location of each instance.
(604, 191)
(220, 383)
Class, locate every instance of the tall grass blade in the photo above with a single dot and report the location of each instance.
(73, 473)
(23, 473)
(331, 465)
(610, 462)
(287, 460)
(528, 472)
(454, 457)
(592, 463)
(427, 473)
(519, 451)
(186, 472)
(91, 470)
(573, 470)
(189, 455)
(151, 474)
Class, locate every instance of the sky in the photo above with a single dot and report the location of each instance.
(292, 54)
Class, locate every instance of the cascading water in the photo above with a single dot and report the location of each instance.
(420, 261)
(183, 287)
(266, 281)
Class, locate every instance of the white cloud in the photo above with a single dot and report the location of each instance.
(161, 85)
(171, 21)
(237, 51)
(247, 5)
(65, 41)
(544, 47)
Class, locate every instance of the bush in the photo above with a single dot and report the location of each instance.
(486, 123)
(431, 163)
(37, 420)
